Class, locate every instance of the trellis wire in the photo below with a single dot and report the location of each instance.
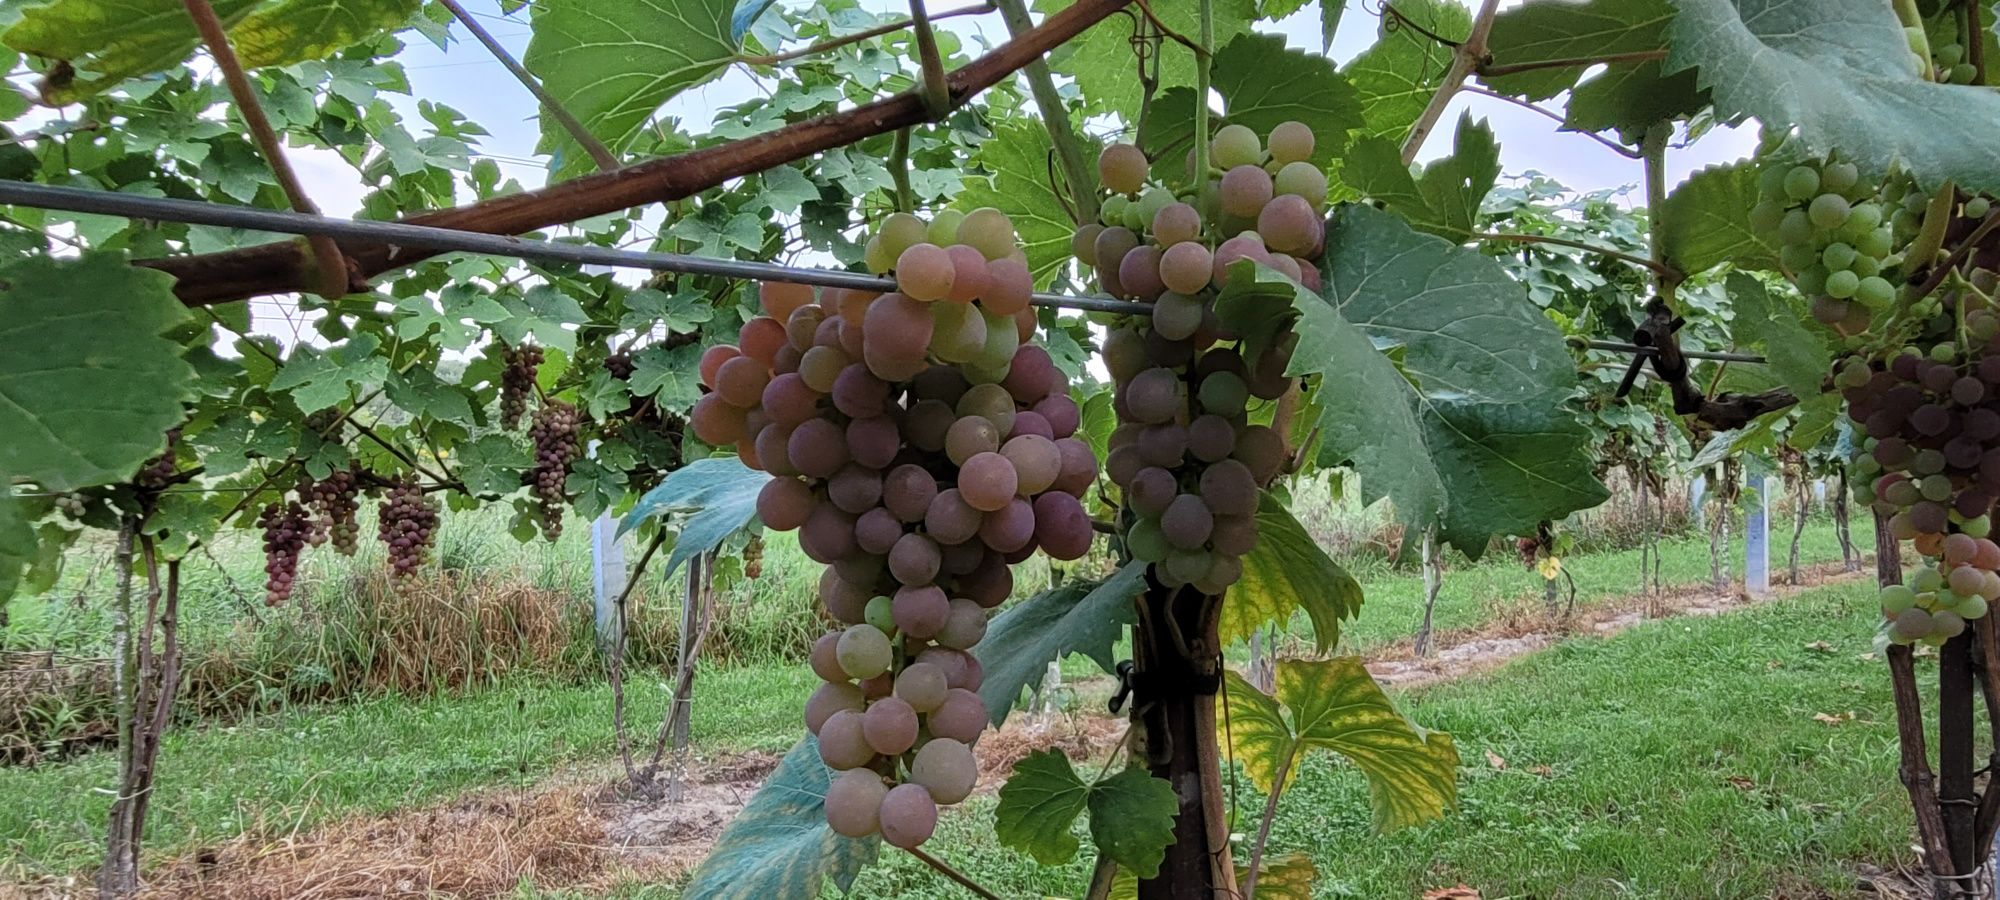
(400, 234)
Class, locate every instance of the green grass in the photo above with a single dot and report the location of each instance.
(309, 763)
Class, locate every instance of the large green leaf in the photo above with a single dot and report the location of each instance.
(1084, 617)
(1465, 429)
(1396, 77)
(1841, 72)
(1016, 160)
(1288, 572)
(1630, 98)
(780, 844)
(719, 494)
(109, 41)
(1336, 705)
(1104, 66)
(17, 540)
(1543, 31)
(1706, 222)
(88, 387)
(1131, 813)
(1445, 199)
(1797, 356)
(612, 65)
(1262, 84)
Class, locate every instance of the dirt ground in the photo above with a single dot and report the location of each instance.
(575, 833)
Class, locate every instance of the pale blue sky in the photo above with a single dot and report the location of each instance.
(465, 77)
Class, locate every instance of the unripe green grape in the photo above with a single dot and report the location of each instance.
(1947, 54)
(1865, 266)
(1291, 142)
(1875, 292)
(1863, 218)
(875, 256)
(1838, 177)
(879, 615)
(1235, 145)
(1302, 179)
(1795, 227)
(1798, 256)
(1811, 279)
(1178, 316)
(1151, 202)
(1801, 182)
(1223, 394)
(1895, 598)
(1876, 243)
(1978, 527)
(1766, 215)
(1134, 218)
(1837, 256)
(1842, 285)
(900, 231)
(1978, 207)
(943, 230)
(1771, 183)
(1973, 607)
(1122, 168)
(1112, 211)
(1828, 211)
(1926, 580)
(989, 231)
(1146, 541)
(1963, 73)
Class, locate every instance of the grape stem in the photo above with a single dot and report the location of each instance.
(1055, 116)
(934, 89)
(1465, 57)
(1200, 50)
(899, 171)
(615, 664)
(599, 154)
(945, 869)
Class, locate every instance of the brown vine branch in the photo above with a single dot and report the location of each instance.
(615, 665)
(1989, 672)
(1654, 266)
(600, 154)
(1488, 70)
(1608, 143)
(1465, 57)
(279, 268)
(773, 59)
(1914, 770)
(1975, 51)
(945, 869)
(331, 276)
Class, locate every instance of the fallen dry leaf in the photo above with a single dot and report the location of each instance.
(1834, 719)
(1543, 771)
(1867, 657)
(1741, 783)
(1461, 892)
(1493, 759)
(1820, 647)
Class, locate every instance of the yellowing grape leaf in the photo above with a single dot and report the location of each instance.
(1285, 573)
(88, 386)
(1336, 705)
(780, 844)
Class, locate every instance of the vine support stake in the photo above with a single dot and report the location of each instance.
(1055, 116)
(1465, 58)
(600, 154)
(330, 268)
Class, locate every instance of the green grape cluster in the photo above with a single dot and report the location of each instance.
(1835, 241)
(1941, 52)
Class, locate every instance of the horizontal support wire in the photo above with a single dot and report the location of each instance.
(1622, 347)
(197, 212)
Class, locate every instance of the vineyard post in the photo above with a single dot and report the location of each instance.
(1757, 540)
(607, 579)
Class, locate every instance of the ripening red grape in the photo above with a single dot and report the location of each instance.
(945, 768)
(1010, 287)
(1186, 268)
(920, 610)
(1289, 224)
(853, 803)
(908, 816)
(925, 272)
(1122, 168)
(987, 481)
(1245, 189)
(1291, 142)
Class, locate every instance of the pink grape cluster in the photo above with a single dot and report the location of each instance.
(918, 455)
(1187, 456)
(336, 505)
(407, 525)
(285, 532)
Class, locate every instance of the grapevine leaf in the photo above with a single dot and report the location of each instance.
(1841, 72)
(1038, 804)
(1336, 705)
(681, 313)
(786, 189)
(541, 312)
(421, 314)
(1395, 78)
(1706, 222)
(746, 13)
(719, 494)
(1329, 23)
(1084, 617)
(1797, 356)
(1463, 428)
(1105, 69)
(17, 541)
(1629, 99)
(420, 392)
(669, 376)
(1545, 32)
(604, 394)
(321, 378)
(1285, 573)
(613, 65)
(1445, 199)
(1262, 84)
(88, 386)
(1278, 9)
(1016, 161)
(294, 31)
(1131, 813)
(780, 844)
(1286, 877)
(492, 465)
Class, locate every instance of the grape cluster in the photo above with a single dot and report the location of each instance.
(1949, 59)
(72, 505)
(621, 365)
(336, 505)
(554, 435)
(1188, 459)
(1911, 206)
(919, 449)
(285, 532)
(159, 471)
(407, 525)
(1836, 240)
(1929, 460)
(517, 381)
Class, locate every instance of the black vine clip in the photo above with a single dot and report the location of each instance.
(1124, 686)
